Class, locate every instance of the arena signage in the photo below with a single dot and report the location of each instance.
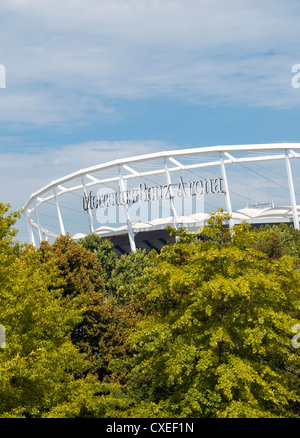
(142, 193)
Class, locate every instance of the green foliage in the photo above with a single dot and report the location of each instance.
(39, 367)
(202, 329)
(128, 269)
(217, 339)
(91, 242)
(279, 240)
(104, 250)
(120, 274)
(79, 268)
(43, 374)
(102, 336)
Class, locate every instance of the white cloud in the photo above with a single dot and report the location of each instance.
(216, 52)
(66, 61)
(39, 167)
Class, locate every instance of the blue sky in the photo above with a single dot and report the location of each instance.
(90, 81)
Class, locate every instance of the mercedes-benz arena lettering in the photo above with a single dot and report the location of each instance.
(130, 201)
(144, 193)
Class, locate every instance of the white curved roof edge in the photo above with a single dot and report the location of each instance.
(242, 214)
(200, 216)
(162, 221)
(106, 228)
(137, 225)
(275, 212)
(247, 215)
(163, 154)
(79, 236)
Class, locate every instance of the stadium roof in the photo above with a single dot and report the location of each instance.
(152, 235)
(216, 173)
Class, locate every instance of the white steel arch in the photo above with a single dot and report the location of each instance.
(124, 170)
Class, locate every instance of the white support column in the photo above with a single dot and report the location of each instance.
(61, 223)
(39, 225)
(227, 194)
(292, 190)
(91, 222)
(30, 230)
(126, 208)
(169, 182)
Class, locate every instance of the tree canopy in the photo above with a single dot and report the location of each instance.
(43, 373)
(202, 329)
(217, 339)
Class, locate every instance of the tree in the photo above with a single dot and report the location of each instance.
(128, 269)
(278, 240)
(119, 274)
(105, 323)
(111, 315)
(102, 336)
(43, 374)
(79, 268)
(216, 341)
(104, 250)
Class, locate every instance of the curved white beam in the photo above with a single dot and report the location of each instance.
(57, 188)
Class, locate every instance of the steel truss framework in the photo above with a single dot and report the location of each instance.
(225, 156)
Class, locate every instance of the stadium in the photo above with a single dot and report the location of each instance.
(131, 201)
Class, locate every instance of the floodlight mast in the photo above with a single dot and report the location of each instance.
(225, 157)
